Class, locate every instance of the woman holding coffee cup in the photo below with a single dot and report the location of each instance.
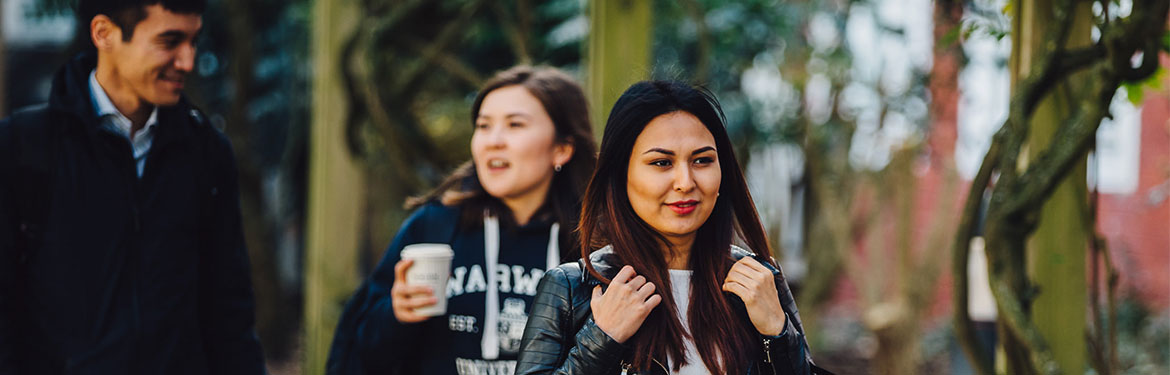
(505, 216)
(668, 293)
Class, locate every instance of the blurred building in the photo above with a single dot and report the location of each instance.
(35, 44)
(1134, 183)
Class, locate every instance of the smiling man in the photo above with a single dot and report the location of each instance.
(121, 247)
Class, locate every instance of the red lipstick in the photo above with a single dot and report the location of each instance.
(683, 207)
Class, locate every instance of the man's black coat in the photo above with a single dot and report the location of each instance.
(103, 272)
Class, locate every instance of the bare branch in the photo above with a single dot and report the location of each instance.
(1040, 79)
(450, 63)
(1081, 58)
(1050, 167)
(515, 30)
(1149, 63)
(964, 328)
(1021, 327)
(450, 34)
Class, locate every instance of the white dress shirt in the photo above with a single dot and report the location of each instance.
(117, 123)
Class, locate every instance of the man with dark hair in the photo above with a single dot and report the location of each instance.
(121, 247)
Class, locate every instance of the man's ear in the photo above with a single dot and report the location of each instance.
(104, 32)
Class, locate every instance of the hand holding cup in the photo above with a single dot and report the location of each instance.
(406, 298)
(422, 272)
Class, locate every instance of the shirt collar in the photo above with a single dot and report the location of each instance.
(103, 106)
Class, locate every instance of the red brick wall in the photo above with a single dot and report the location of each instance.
(1137, 226)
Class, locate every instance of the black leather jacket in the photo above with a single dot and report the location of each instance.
(561, 337)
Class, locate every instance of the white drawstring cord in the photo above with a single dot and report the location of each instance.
(490, 343)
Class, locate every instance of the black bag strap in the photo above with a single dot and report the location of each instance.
(33, 150)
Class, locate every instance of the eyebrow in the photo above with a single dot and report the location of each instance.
(669, 152)
(517, 114)
(174, 34)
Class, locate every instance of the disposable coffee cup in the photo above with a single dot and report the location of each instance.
(432, 267)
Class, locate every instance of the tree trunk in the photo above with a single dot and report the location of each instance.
(1055, 254)
(944, 83)
(273, 324)
(336, 180)
(619, 52)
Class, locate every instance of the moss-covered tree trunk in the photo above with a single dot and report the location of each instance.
(1055, 255)
(336, 180)
(1035, 228)
(619, 52)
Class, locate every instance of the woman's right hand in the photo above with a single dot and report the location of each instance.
(405, 298)
(622, 308)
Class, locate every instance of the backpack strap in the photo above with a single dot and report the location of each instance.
(33, 150)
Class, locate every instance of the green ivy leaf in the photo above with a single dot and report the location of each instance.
(1157, 79)
(1134, 92)
(951, 36)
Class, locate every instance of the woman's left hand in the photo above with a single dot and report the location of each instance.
(754, 284)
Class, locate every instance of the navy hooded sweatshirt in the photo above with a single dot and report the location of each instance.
(369, 340)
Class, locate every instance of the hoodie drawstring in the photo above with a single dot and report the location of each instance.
(490, 344)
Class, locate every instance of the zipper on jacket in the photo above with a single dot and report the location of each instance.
(664, 369)
(134, 250)
(768, 355)
(767, 350)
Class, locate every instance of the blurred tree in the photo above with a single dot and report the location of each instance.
(1063, 83)
(337, 181)
(619, 52)
(410, 73)
(262, 134)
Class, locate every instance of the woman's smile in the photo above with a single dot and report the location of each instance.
(683, 207)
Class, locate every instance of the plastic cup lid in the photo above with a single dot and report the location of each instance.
(427, 250)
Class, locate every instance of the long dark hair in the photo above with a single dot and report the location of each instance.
(564, 101)
(725, 339)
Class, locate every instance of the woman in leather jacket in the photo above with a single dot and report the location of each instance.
(661, 289)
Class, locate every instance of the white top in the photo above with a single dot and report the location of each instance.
(680, 289)
(114, 121)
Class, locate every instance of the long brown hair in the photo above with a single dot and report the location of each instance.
(564, 101)
(723, 336)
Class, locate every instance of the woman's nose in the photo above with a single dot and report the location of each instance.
(684, 179)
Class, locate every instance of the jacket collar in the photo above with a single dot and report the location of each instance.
(70, 94)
